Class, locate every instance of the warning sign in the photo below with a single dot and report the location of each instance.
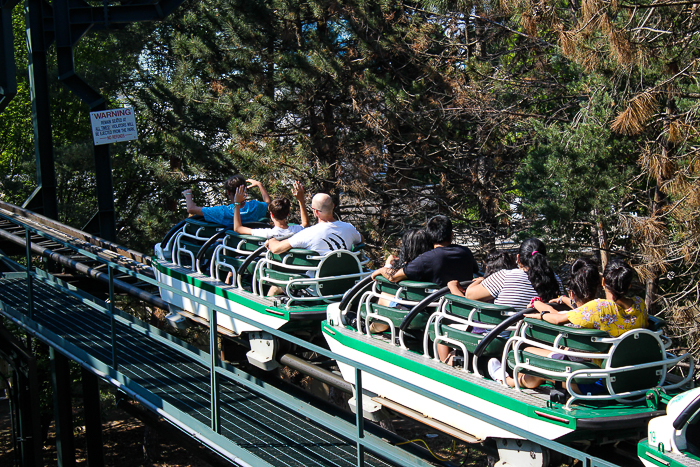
(113, 126)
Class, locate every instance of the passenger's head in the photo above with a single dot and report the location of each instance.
(618, 277)
(439, 229)
(413, 243)
(279, 208)
(322, 205)
(585, 279)
(233, 183)
(498, 260)
(532, 256)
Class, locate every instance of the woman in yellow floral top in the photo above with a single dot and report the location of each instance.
(615, 315)
(610, 316)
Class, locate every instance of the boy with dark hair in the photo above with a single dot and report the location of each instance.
(440, 229)
(279, 211)
(251, 210)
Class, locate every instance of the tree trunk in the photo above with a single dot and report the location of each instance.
(602, 245)
(652, 283)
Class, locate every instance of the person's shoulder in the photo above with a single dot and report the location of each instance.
(516, 273)
(462, 249)
(605, 304)
(589, 305)
(501, 277)
(256, 205)
(638, 305)
(263, 233)
(343, 224)
(425, 257)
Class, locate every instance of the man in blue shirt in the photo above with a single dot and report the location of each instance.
(251, 210)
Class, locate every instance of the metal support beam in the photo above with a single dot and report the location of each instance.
(41, 109)
(68, 76)
(24, 394)
(8, 80)
(93, 422)
(62, 409)
(70, 19)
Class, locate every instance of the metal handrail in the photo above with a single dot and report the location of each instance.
(362, 443)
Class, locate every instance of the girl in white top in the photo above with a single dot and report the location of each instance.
(279, 211)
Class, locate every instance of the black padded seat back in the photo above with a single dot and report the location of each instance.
(656, 324)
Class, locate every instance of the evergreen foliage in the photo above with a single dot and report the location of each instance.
(574, 122)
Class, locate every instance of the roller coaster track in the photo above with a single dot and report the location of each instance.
(59, 244)
(78, 265)
(219, 405)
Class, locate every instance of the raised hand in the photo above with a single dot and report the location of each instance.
(240, 195)
(298, 190)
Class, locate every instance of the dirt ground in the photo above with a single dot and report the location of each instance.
(123, 438)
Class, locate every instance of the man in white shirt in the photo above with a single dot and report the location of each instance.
(328, 235)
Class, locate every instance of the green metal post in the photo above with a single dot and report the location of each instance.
(359, 416)
(112, 321)
(25, 392)
(93, 422)
(214, 380)
(41, 109)
(30, 286)
(8, 81)
(62, 409)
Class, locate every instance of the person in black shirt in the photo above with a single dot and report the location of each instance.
(445, 263)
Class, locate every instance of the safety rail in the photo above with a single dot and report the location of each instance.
(217, 368)
(631, 363)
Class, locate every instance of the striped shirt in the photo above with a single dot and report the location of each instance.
(511, 287)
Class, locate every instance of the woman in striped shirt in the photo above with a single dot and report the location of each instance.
(517, 287)
(512, 287)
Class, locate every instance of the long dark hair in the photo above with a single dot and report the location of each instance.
(498, 260)
(618, 277)
(585, 279)
(533, 256)
(413, 243)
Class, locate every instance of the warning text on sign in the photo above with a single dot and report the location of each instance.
(113, 126)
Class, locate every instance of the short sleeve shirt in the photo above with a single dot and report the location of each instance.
(253, 210)
(326, 236)
(276, 232)
(608, 316)
(511, 287)
(442, 265)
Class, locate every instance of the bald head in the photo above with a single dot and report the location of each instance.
(322, 204)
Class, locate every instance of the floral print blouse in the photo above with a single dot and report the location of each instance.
(608, 316)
